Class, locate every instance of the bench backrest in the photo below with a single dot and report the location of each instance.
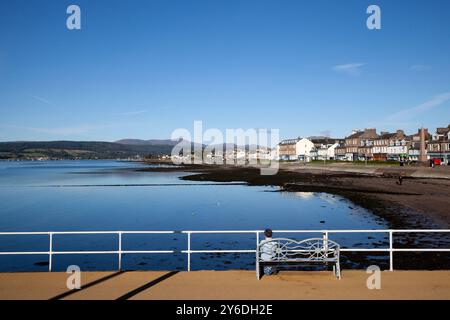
(313, 249)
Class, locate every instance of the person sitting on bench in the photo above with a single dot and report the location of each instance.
(268, 252)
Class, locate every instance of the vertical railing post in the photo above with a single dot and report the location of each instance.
(120, 251)
(257, 256)
(50, 251)
(325, 243)
(391, 253)
(257, 238)
(189, 252)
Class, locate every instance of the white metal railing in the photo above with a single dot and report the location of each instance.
(189, 251)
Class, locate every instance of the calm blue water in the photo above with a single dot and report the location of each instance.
(109, 195)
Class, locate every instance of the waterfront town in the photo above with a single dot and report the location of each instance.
(360, 145)
(366, 145)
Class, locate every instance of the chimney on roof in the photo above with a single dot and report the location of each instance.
(370, 132)
(426, 132)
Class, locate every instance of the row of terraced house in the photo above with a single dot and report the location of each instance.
(369, 145)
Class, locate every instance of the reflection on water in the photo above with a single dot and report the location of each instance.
(301, 195)
(109, 195)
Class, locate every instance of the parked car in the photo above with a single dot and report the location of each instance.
(436, 161)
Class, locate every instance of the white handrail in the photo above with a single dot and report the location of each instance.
(189, 250)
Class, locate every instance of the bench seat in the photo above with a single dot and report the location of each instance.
(279, 251)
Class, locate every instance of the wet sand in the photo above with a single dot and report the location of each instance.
(209, 285)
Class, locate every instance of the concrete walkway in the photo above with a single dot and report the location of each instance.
(440, 172)
(204, 285)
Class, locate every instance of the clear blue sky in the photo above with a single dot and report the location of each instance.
(140, 69)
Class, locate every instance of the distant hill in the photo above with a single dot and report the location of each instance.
(152, 142)
(78, 149)
(325, 140)
(156, 142)
(233, 146)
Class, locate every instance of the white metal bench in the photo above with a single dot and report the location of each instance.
(289, 251)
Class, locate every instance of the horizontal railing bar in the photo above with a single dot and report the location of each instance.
(150, 251)
(332, 231)
(389, 230)
(85, 232)
(24, 253)
(286, 231)
(23, 233)
(112, 252)
(232, 231)
(222, 232)
(364, 250)
(88, 252)
(218, 251)
(420, 230)
(148, 232)
(420, 250)
(322, 231)
(366, 231)
(85, 252)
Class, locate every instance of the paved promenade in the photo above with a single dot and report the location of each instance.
(205, 285)
(440, 172)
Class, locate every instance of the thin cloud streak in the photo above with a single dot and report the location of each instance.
(410, 118)
(40, 99)
(414, 112)
(353, 69)
(62, 131)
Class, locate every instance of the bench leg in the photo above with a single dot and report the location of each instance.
(338, 270)
(257, 270)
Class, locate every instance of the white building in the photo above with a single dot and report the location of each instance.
(296, 149)
(305, 148)
(327, 152)
(398, 146)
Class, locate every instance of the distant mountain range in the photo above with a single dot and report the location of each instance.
(152, 142)
(155, 142)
